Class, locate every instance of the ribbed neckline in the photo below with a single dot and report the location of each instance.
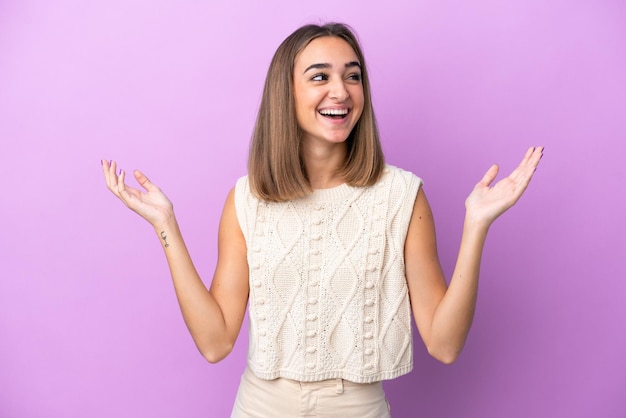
(337, 192)
(332, 193)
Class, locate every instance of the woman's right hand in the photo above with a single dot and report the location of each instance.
(152, 205)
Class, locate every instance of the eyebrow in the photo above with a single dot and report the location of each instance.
(350, 64)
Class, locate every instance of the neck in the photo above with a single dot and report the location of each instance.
(322, 164)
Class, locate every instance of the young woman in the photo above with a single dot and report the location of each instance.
(332, 248)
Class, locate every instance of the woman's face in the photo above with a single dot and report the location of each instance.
(328, 90)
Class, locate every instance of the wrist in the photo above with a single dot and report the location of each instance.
(476, 226)
(168, 232)
(170, 224)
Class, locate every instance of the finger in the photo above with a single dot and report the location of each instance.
(112, 177)
(536, 156)
(529, 165)
(105, 171)
(530, 162)
(524, 172)
(121, 187)
(532, 157)
(144, 181)
(526, 166)
(525, 160)
(117, 181)
(489, 176)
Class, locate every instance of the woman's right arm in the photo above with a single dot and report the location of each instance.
(213, 316)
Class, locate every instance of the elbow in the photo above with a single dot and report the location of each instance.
(447, 359)
(212, 357)
(216, 354)
(445, 355)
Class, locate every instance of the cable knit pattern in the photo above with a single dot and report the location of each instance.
(328, 293)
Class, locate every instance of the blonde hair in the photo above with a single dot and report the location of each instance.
(275, 166)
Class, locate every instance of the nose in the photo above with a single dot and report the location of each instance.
(338, 91)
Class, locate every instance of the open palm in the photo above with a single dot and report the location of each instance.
(485, 203)
(151, 204)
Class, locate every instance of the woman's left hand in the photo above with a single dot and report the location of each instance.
(486, 203)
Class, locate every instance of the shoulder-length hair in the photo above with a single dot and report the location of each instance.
(275, 166)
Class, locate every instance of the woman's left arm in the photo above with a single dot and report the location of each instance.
(443, 313)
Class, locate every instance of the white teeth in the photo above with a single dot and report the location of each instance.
(334, 112)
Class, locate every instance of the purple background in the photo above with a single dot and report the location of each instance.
(89, 324)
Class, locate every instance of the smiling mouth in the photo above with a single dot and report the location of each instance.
(334, 113)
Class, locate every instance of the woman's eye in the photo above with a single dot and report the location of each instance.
(319, 77)
(354, 77)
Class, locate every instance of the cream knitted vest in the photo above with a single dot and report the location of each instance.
(328, 293)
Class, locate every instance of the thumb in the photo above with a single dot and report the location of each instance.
(144, 181)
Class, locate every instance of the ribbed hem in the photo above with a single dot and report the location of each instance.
(332, 374)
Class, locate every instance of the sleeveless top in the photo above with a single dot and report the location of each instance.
(328, 293)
